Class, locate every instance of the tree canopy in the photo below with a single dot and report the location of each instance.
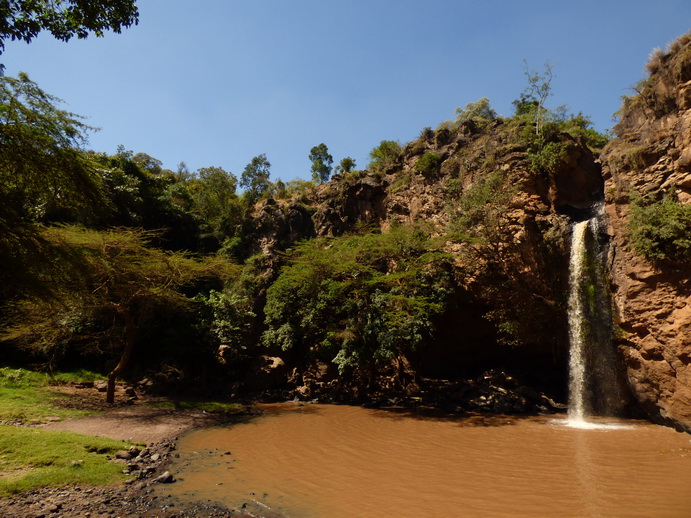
(255, 178)
(321, 163)
(24, 19)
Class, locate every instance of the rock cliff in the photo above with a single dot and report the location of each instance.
(516, 269)
(652, 156)
(512, 259)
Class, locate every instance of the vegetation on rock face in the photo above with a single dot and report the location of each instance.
(477, 111)
(661, 230)
(384, 156)
(359, 300)
(647, 174)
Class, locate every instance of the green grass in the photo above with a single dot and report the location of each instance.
(27, 396)
(31, 458)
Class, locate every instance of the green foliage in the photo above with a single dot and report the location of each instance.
(580, 126)
(299, 187)
(359, 300)
(255, 178)
(506, 281)
(531, 103)
(661, 230)
(545, 152)
(478, 211)
(479, 111)
(41, 167)
(104, 283)
(547, 157)
(216, 203)
(321, 163)
(346, 165)
(428, 164)
(232, 319)
(385, 155)
(65, 19)
(31, 458)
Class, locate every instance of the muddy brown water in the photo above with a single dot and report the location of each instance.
(318, 461)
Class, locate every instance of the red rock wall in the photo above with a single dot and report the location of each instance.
(651, 154)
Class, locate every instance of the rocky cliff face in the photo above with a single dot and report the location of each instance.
(516, 272)
(520, 282)
(652, 155)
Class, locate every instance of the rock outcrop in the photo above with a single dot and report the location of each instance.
(513, 277)
(652, 155)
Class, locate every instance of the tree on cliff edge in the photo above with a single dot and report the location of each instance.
(321, 163)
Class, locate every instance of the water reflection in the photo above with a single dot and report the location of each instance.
(587, 476)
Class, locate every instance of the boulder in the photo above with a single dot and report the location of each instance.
(165, 478)
(266, 373)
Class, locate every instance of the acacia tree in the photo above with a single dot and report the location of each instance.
(117, 272)
(24, 19)
(42, 169)
(41, 163)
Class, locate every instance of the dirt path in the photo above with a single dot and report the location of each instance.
(143, 420)
(139, 423)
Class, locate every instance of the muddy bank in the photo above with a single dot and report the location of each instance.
(146, 467)
(139, 421)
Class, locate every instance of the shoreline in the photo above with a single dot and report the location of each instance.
(138, 421)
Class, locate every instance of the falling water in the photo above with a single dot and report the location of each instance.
(597, 386)
(577, 323)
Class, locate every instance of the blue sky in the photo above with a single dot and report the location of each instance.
(217, 82)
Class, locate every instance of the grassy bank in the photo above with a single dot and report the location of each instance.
(29, 397)
(31, 458)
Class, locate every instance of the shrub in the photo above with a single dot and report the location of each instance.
(661, 230)
(428, 163)
(385, 155)
(358, 300)
(546, 158)
(479, 111)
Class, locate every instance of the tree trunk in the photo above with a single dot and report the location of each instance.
(126, 354)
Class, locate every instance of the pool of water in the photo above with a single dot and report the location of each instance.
(316, 461)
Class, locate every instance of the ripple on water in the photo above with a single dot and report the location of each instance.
(340, 462)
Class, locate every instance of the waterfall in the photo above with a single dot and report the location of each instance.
(577, 316)
(597, 383)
